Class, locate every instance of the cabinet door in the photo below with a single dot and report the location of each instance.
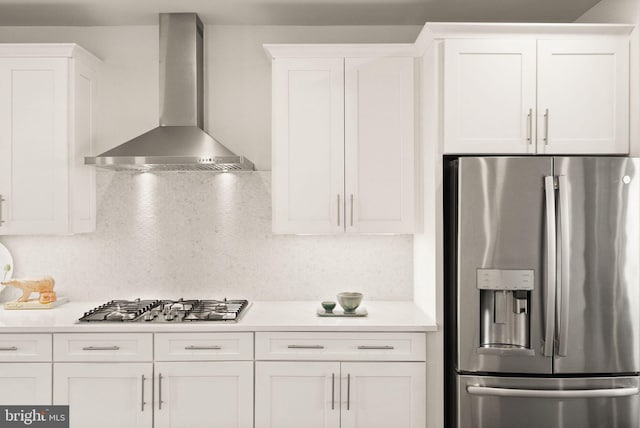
(489, 96)
(308, 145)
(105, 395)
(583, 96)
(383, 395)
(379, 145)
(204, 394)
(33, 145)
(25, 384)
(297, 394)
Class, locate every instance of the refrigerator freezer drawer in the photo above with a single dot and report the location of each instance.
(505, 402)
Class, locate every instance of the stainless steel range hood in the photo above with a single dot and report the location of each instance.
(179, 143)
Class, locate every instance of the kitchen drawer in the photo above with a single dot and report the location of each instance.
(341, 346)
(203, 346)
(25, 347)
(103, 347)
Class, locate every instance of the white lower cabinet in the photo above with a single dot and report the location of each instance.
(136, 380)
(105, 394)
(340, 394)
(25, 384)
(297, 394)
(340, 380)
(25, 369)
(204, 394)
(383, 395)
(208, 380)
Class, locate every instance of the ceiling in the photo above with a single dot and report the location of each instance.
(288, 12)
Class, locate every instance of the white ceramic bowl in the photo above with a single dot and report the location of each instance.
(349, 300)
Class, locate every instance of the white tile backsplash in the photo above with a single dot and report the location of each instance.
(200, 234)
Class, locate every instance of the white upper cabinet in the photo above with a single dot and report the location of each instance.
(308, 145)
(379, 148)
(529, 95)
(343, 143)
(583, 96)
(46, 127)
(490, 90)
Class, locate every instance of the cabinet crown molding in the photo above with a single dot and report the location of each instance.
(447, 30)
(51, 50)
(333, 50)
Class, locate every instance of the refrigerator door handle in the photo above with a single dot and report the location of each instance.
(550, 203)
(553, 393)
(563, 316)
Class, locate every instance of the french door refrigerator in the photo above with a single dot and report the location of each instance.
(542, 292)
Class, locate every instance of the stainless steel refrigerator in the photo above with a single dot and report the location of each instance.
(542, 291)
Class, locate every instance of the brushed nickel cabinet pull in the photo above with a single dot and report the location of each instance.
(351, 211)
(348, 391)
(101, 348)
(333, 391)
(159, 391)
(143, 403)
(546, 127)
(530, 126)
(305, 347)
(375, 347)
(1, 204)
(10, 348)
(338, 209)
(192, 347)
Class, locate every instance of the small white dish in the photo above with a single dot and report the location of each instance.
(6, 260)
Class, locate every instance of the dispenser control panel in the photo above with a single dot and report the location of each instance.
(504, 279)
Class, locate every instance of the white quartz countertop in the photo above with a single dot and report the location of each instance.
(260, 316)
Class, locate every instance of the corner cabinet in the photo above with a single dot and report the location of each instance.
(46, 126)
(343, 140)
(539, 94)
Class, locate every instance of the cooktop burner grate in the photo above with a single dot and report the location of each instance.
(164, 311)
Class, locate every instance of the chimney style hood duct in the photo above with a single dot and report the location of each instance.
(179, 143)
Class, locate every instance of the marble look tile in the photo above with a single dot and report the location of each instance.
(197, 234)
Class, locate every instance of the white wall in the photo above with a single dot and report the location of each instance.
(612, 11)
(199, 234)
(624, 12)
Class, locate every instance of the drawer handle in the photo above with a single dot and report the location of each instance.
(305, 347)
(101, 348)
(375, 347)
(193, 347)
(10, 348)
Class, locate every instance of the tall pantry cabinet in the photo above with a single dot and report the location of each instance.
(47, 93)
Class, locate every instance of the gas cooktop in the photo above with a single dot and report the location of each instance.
(167, 311)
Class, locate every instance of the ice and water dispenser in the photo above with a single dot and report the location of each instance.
(505, 297)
